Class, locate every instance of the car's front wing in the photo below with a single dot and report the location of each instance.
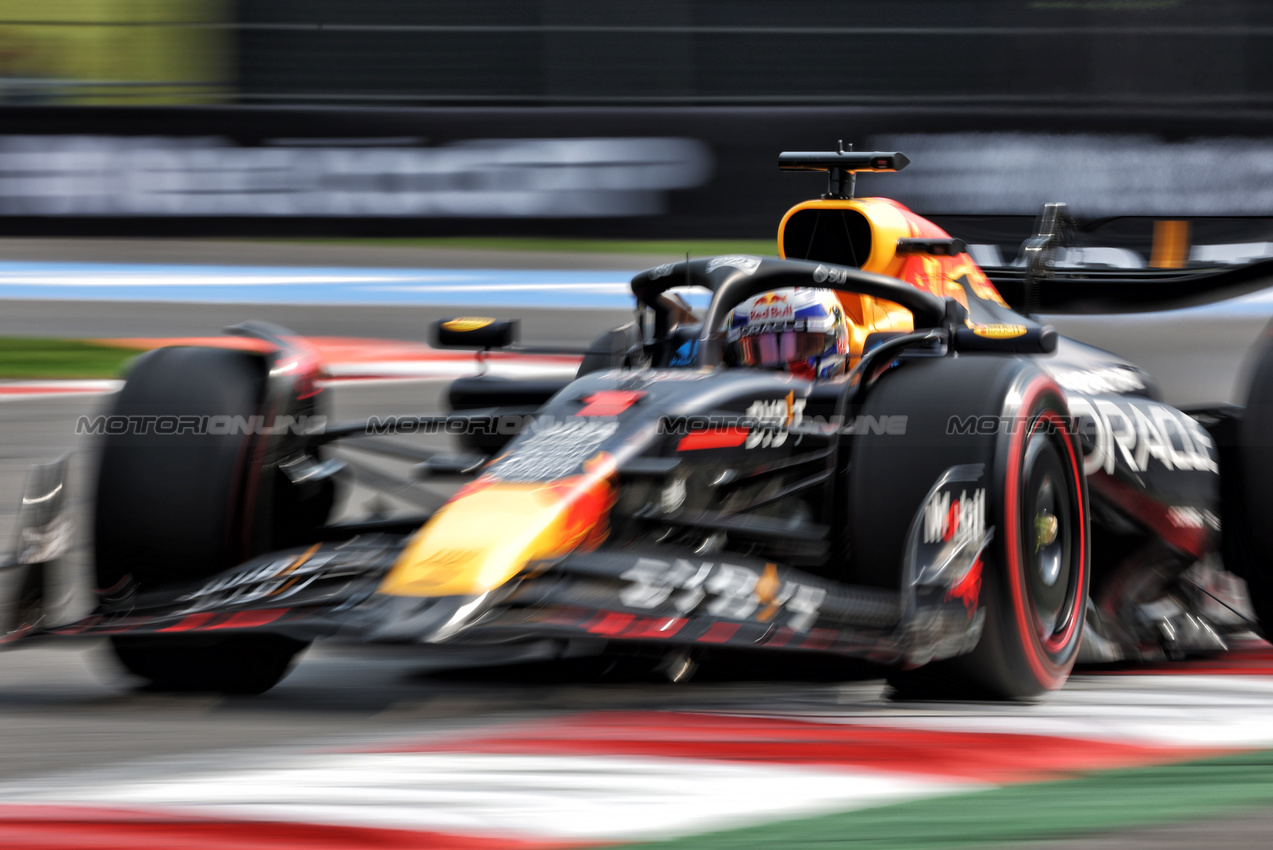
(331, 591)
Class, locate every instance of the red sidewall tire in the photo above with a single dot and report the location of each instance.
(1040, 662)
(1017, 656)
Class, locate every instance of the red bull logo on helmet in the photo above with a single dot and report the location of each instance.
(771, 307)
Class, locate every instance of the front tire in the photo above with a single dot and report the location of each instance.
(242, 664)
(1038, 593)
(174, 507)
(1035, 571)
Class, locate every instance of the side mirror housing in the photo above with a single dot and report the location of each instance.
(475, 332)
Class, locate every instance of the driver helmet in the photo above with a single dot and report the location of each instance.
(800, 329)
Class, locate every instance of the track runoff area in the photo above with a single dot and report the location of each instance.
(1160, 756)
(1167, 755)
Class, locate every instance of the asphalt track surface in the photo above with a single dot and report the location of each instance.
(66, 713)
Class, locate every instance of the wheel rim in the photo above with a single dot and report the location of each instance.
(1047, 528)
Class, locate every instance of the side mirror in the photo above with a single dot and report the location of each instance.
(475, 332)
(1019, 339)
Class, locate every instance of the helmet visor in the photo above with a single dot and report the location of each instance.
(772, 349)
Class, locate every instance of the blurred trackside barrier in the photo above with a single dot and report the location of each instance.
(1167, 53)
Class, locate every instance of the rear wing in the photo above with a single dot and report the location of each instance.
(1040, 285)
(1094, 291)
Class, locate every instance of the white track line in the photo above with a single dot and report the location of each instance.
(1186, 710)
(575, 797)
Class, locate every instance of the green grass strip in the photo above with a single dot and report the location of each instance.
(1027, 812)
(671, 248)
(24, 357)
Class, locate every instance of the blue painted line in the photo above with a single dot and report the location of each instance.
(493, 288)
(305, 285)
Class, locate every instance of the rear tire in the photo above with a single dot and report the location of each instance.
(1246, 480)
(1032, 595)
(174, 507)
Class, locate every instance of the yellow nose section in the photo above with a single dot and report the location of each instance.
(492, 530)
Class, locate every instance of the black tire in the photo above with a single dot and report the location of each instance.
(181, 493)
(175, 507)
(247, 664)
(1246, 473)
(1032, 626)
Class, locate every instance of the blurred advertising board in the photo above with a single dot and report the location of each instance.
(99, 175)
(637, 172)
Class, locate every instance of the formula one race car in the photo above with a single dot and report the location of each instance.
(972, 500)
